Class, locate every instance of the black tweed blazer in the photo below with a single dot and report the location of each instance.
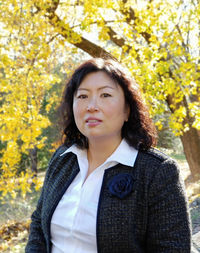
(153, 218)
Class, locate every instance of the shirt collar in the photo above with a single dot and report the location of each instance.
(124, 154)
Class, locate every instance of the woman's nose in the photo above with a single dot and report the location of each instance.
(92, 105)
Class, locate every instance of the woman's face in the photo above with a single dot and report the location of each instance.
(99, 107)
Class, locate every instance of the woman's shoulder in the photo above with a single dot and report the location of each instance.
(59, 154)
(156, 155)
(153, 161)
(59, 157)
(60, 150)
(156, 169)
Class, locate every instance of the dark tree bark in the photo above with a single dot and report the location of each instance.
(190, 140)
(191, 146)
(33, 158)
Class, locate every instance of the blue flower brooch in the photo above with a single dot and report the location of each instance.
(121, 185)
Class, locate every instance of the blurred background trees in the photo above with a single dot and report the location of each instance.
(42, 40)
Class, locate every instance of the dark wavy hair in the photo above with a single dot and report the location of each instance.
(139, 131)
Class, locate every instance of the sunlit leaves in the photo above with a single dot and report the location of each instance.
(26, 76)
(158, 41)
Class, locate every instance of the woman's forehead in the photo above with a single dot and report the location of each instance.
(98, 79)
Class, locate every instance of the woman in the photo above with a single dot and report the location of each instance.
(106, 188)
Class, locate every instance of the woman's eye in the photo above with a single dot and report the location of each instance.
(82, 96)
(106, 95)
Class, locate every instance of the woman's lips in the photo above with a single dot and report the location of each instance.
(93, 121)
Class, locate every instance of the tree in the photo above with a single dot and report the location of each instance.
(27, 62)
(157, 40)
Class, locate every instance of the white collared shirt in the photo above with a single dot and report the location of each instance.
(73, 224)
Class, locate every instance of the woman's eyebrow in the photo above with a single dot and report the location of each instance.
(100, 88)
(104, 87)
(82, 89)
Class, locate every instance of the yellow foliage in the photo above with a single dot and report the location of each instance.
(159, 125)
(153, 41)
(26, 60)
(176, 121)
(195, 113)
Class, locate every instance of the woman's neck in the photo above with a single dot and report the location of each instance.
(99, 151)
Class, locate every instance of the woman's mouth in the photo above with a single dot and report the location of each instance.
(93, 122)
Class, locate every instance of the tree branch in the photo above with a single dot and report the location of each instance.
(84, 44)
(114, 37)
(130, 16)
(180, 33)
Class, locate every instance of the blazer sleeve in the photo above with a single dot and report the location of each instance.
(36, 241)
(168, 229)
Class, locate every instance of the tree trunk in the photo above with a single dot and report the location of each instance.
(190, 140)
(191, 146)
(33, 157)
